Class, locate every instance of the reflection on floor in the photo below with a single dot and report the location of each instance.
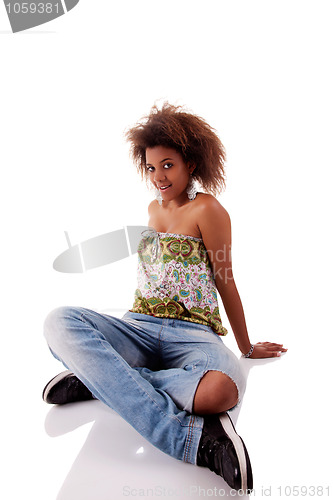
(115, 462)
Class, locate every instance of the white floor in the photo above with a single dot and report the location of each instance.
(259, 72)
(85, 451)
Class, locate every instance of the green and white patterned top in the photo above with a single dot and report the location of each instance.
(175, 280)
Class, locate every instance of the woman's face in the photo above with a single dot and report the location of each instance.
(168, 172)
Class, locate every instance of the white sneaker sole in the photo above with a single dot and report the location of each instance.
(239, 447)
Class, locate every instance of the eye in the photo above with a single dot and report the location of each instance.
(150, 169)
(167, 165)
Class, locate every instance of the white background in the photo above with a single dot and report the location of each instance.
(260, 72)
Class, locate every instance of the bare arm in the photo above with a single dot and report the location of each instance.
(215, 227)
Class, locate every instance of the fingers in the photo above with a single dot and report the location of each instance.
(268, 350)
(272, 346)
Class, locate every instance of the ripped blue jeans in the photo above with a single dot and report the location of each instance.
(145, 368)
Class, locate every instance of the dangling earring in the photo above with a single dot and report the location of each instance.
(158, 196)
(191, 189)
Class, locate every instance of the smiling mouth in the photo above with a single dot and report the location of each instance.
(163, 188)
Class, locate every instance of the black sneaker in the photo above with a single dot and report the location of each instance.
(65, 388)
(222, 450)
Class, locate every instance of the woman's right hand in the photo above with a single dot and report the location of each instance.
(267, 350)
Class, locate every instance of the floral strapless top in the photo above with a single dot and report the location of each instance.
(175, 280)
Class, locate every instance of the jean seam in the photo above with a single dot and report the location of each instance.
(94, 330)
(189, 440)
(159, 337)
(203, 372)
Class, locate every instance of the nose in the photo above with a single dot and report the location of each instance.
(159, 175)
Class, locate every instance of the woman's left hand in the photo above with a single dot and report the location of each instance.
(267, 350)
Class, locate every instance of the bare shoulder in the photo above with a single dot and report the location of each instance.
(209, 208)
(152, 207)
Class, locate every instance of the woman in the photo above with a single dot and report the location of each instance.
(163, 367)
